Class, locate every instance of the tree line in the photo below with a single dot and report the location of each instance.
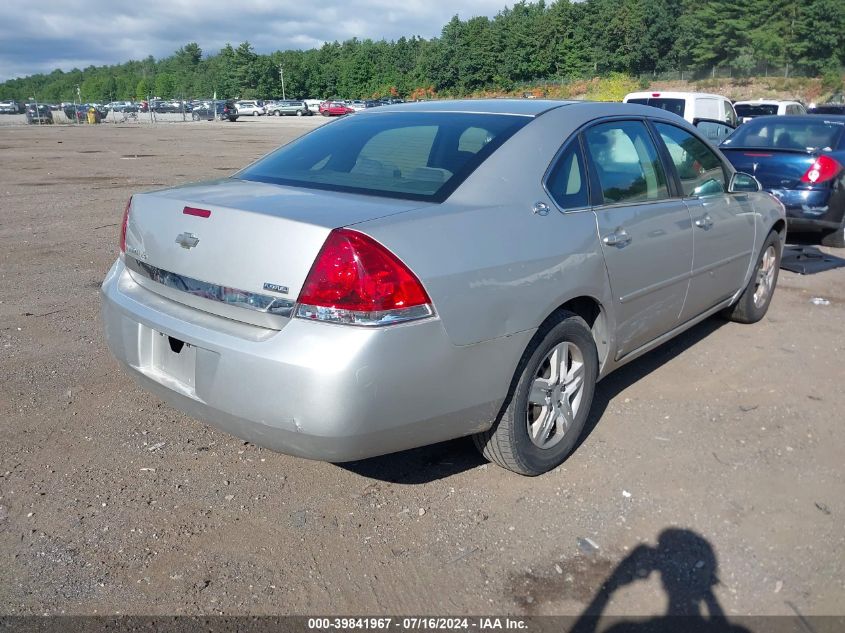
(528, 42)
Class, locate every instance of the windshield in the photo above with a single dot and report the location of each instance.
(675, 106)
(807, 134)
(748, 110)
(418, 156)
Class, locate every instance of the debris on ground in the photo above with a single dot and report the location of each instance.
(587, 545)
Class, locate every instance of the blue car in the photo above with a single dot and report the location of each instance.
(801, 161)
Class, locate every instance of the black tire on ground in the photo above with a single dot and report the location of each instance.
(195, 116)
(508, 443)
(835, 238)
(324, 113)
(299, 113)
(754, 301)
(232, 119)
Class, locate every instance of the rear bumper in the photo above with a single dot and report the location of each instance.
(316, 390)
(812, 209)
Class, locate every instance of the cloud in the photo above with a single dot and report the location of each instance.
(65, 34)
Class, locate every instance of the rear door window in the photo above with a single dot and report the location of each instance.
(699, 169)
(626, 162)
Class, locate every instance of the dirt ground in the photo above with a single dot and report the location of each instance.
(721, 452)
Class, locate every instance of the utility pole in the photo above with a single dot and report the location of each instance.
(75, 109)
(282, 77)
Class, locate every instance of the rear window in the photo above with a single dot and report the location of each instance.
(834, 109)
(806, 133)
(756, 110)
(418, 156)
(676, 106)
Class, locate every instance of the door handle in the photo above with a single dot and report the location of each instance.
(619, 237)
(704, 223)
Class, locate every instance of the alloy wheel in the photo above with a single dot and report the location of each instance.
(556, 394)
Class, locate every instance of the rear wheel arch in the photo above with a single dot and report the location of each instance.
(594, 314)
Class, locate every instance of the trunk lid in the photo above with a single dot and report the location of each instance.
(231, 246)
(774, 168)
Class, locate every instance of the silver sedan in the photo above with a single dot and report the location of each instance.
(434, 270)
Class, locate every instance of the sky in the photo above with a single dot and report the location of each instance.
(70, 34)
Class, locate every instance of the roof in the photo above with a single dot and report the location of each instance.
(765, 102)
(668, 94)
(521, 107)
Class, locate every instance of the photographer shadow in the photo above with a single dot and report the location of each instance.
(687, 566)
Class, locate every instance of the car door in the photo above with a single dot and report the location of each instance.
(644, 229)
(723, 223)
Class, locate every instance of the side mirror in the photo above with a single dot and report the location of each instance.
(744, 183)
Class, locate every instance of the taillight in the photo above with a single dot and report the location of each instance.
(356, 280)
(123, 225)
(823, 169)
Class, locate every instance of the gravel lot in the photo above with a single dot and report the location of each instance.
(112, 502)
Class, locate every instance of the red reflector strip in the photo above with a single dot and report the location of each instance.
(760, 155)
(200, 213)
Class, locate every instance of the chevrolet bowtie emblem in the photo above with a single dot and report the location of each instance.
(187, 240)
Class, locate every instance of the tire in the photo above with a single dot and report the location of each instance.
(835, 238)
(324, 113)
(567, 342)
(299, 113)
(195, 116)
(754, 301)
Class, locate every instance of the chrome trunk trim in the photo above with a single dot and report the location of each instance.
(188, 288)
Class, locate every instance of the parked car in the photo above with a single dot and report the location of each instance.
(222, 110)
(335, 108)
(38, 114)
(828, 108)
(313, 104)
(747, 110)
(79, 112)
(253, 108)
(279, 108)
(401, 311)
(357, 104)
(800, 161)
(9, 107)
(689, 105)
(121, 106)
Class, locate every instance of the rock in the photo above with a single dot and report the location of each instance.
(587, 545)
(421, 511)
(299, 518)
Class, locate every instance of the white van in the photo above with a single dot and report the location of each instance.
(689, 105)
